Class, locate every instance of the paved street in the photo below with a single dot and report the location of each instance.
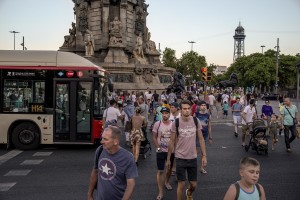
(55, 172)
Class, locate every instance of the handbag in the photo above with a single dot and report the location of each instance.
(294, 119)
(128, 126)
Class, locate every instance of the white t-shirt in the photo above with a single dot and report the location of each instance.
(172, 117)
(133, 98)
(148, 96)
(249, 114)
(211, 99)
(225, 97)
(112, 113)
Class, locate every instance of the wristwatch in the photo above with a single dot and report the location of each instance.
(158, 149)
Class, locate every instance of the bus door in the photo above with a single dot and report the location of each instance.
(72, 113)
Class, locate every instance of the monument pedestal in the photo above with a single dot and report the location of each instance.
(116, 55)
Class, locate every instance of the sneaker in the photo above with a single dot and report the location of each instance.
(188, 197)
(289, 150)
(236, 134)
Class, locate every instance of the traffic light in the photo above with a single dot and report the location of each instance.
(204, 73)
(209, 75)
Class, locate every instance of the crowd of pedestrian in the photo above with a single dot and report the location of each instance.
(180, 129)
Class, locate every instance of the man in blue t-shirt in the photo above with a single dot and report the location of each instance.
(114, 169)
(237, 109)
(204, 118)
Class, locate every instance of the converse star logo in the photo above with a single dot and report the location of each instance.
(107, 169)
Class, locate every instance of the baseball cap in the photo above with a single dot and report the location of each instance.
(165, 109)
(175, 104)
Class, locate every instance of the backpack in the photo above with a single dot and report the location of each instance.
(98, 154)
(177, 124)
(237, 187)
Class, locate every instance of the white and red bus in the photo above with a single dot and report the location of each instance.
(50, 97)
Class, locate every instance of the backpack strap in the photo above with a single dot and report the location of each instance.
(196, 122)
(258, 189)
(177, 125)
(158, 126)
(98, 153)
(237, 188)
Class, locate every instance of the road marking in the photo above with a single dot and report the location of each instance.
(17, 173)
(31, 162)
(9, 156)
(42, 154)
(6, 186)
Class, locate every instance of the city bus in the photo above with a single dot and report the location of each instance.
(50, 97)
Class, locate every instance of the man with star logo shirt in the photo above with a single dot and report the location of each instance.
(114, 169)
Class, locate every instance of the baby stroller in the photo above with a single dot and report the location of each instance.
(258, 137)
(145, 145)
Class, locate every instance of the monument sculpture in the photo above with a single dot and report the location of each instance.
(114, 34)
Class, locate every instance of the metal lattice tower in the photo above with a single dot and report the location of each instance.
(239, 37)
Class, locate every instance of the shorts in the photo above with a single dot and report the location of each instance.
(237, 119)
(225, 112)
(161, 158)
(136, 136)
(245, 128)
(186, 165)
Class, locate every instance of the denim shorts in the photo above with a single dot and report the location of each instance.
(161, 158)
(186, 165)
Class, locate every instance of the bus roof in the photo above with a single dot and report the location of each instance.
(44, 60)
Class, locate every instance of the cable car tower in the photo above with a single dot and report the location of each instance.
(239, 37)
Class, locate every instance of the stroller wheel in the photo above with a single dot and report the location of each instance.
(247, 148)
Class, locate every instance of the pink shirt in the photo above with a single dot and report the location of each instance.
(163, 132)
(186, 143)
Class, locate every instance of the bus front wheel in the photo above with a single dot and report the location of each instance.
(26, 136)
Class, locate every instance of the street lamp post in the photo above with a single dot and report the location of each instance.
(262, 48)
(298, 71)
(14, 32)
(277, 63)
(192, 42)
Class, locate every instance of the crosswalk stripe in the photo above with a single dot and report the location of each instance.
(42, 154)
(6, 186)
(9, 156)
(17, 173)
(31, 162)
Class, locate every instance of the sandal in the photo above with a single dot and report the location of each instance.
(159, 197)
(168, 187)
(203, 171)
(173, 173)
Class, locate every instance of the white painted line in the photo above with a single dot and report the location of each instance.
(17, 173)
(31, 162)
(9, 156)
(42, 154)
(6, 186)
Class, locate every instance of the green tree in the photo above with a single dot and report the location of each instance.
(190, 65)
(169, 58)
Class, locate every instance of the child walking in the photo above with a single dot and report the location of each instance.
(225, 109)
(273, 129)
(247, 187)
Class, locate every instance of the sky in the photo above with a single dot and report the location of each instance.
(172, 23)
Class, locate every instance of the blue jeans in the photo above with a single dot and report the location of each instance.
(287, 137)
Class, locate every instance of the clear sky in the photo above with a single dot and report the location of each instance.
(172, 23)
